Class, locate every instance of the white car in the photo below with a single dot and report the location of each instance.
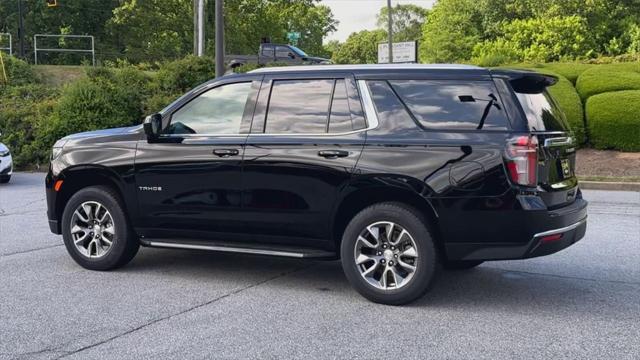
(6, 164)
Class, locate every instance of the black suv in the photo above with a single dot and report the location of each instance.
(397, 170)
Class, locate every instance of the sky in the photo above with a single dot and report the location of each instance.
(356, 15)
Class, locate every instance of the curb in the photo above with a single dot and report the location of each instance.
(606, 185)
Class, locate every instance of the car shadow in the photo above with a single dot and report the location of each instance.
(485, 287)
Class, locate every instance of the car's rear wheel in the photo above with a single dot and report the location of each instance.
(388, 254)
(461, 264)
(95, 230)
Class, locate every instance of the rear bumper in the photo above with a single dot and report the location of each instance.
(551, 232)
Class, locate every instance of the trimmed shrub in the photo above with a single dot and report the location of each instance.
(18, 71)
(613, 120)
(571, 71)
(24, 113)
(106, 98)
(182, 75)
(605, 78)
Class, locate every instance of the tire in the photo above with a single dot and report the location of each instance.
(89, 254)
(389, 291)
(5, 179)
(461, 264)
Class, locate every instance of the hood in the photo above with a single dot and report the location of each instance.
(100, 133)
(3, 147)
(317, 60)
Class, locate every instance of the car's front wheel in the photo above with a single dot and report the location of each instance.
(388, 254)
(95, 230)
(5, 179)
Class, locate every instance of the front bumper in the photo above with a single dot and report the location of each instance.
(6, 165)
(557, 230)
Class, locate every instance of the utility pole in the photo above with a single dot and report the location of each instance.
(195, 27)
(219, 38)
(20, 30)
(390, 31)
(200, 28)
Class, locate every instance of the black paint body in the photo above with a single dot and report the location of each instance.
(276, 190)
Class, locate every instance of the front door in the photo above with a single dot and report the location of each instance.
(305, 141)
(189, 181)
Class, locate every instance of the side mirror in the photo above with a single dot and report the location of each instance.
(153, 126)
(292, 55)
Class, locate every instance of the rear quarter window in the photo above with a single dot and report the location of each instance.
(452, 105)
(542, 112)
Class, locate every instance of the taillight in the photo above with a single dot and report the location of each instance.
(522, 160)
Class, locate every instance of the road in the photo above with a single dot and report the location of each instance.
(583, 302)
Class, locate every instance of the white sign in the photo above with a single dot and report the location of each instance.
(403, 52)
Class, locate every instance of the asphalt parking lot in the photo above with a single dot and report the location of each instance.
(583, 302)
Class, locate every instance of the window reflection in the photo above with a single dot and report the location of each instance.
(451, 105)
(299, 106)
(217, 111)
(541, 112)
(340, 119)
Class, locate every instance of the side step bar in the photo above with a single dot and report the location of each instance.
(282, 251)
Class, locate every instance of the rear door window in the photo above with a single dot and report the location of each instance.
(542, 112)
(452, 105)
(304, 106)
(299, 106)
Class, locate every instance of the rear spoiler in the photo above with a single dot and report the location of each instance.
(526, 81)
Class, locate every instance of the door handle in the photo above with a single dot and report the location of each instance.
(332, 154)
(226, 152)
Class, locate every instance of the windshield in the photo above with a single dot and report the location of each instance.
(298, 51)
(542, 112)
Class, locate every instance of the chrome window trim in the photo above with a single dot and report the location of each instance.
(371, 117)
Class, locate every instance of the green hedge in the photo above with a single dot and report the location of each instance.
(606, 78)
(571, 71)
(614, 120)
(24, 113)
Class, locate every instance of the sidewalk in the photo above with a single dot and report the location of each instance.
(608, 170)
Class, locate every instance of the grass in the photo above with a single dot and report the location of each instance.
(57, 75)
(613, 120)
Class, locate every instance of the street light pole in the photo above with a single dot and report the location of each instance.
(195, 27)
(219, 38)
(390, 31)
(20, 29)
(200, 28)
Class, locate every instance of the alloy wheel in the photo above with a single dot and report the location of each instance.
(92, 229)
(386, 255)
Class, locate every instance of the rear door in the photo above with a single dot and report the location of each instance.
(556, 146)
(306, 138)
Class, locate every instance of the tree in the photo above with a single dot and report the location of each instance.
(360, 48)
(407, 21)
(452, 29)
(540, 40)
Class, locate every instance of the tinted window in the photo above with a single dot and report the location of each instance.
(217, 111)
(282, 51)
(452, 105)
(340, 119)
(267, 51)
(391, 112)
(299, 106)
(542, 112)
